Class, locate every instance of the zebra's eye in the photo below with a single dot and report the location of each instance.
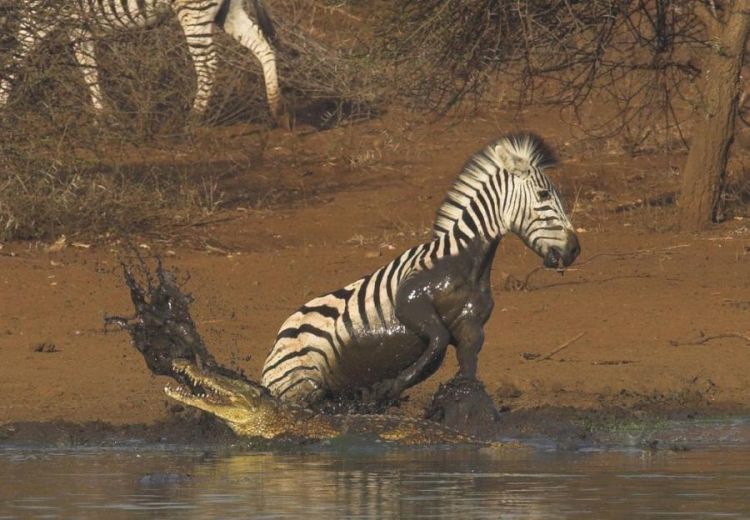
(543, 195)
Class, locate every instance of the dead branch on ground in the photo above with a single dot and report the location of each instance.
(703, 339)
(562, 347)
(514, 284)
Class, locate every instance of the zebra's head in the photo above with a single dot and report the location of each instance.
(532, 208)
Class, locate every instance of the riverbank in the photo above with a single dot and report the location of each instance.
(647, 320)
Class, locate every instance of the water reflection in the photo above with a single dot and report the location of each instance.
(366, 483)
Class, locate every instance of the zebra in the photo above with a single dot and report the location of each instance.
(86, 20)
(390, 329)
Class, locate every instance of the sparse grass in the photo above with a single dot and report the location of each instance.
(44, 198)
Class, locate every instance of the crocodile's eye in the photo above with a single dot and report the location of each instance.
(544, 195)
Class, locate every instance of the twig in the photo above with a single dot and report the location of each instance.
(200, 223)
(562, 347)
(705, 339)
(337, 9)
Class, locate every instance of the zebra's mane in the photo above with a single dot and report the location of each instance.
(512, 152)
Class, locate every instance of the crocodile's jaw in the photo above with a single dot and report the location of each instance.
(245, 407)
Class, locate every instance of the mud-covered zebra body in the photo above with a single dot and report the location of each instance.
(390, 330)
(350, 338)
(85, 21)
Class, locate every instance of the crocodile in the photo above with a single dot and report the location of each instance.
(165, 334)
(250, 410)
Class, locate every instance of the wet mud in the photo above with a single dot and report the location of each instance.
(465, 405)
(563, 428)
(162, 330)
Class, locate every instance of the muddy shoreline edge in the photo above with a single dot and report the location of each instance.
(560, 428)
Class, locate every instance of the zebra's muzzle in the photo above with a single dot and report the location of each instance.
(561, 257)
(553, 260)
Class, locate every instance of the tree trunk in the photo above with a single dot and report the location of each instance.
(703, 175)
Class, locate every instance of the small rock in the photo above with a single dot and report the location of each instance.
(45, 348)
(508, 391)
(163, 479)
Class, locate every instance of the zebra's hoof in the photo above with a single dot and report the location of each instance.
(383, 392)
(106, 121)
(285, 120)
(463, 404)
(194, 122)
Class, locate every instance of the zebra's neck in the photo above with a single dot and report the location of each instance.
(459, 238)
(475, 206)
(474, 210)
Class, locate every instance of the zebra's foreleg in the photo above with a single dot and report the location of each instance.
(469, 338)
(239, 25)
(84, 49)
(198, 31)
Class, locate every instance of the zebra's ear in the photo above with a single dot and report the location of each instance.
(514, 163)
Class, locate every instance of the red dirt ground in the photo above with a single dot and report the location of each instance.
(345, 201)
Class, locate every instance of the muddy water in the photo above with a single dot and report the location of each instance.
(709, 478)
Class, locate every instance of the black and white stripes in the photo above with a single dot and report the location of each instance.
(86, 20)
(353, 338)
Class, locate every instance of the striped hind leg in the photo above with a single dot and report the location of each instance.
(299, 367)
(294, 381)
(198, 26)
(239, 25)
(29, 36)
(83, 47)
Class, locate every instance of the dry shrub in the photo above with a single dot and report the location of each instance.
(42, 198)
(618, 67)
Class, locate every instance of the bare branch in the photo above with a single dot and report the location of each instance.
(705, 339)
(709, 18)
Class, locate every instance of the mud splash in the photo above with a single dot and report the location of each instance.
(162, 329)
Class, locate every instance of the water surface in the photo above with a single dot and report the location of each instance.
(711, 479)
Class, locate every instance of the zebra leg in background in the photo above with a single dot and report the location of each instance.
(198, 27)
(29, 36)
(239, 25)
(83, 47)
